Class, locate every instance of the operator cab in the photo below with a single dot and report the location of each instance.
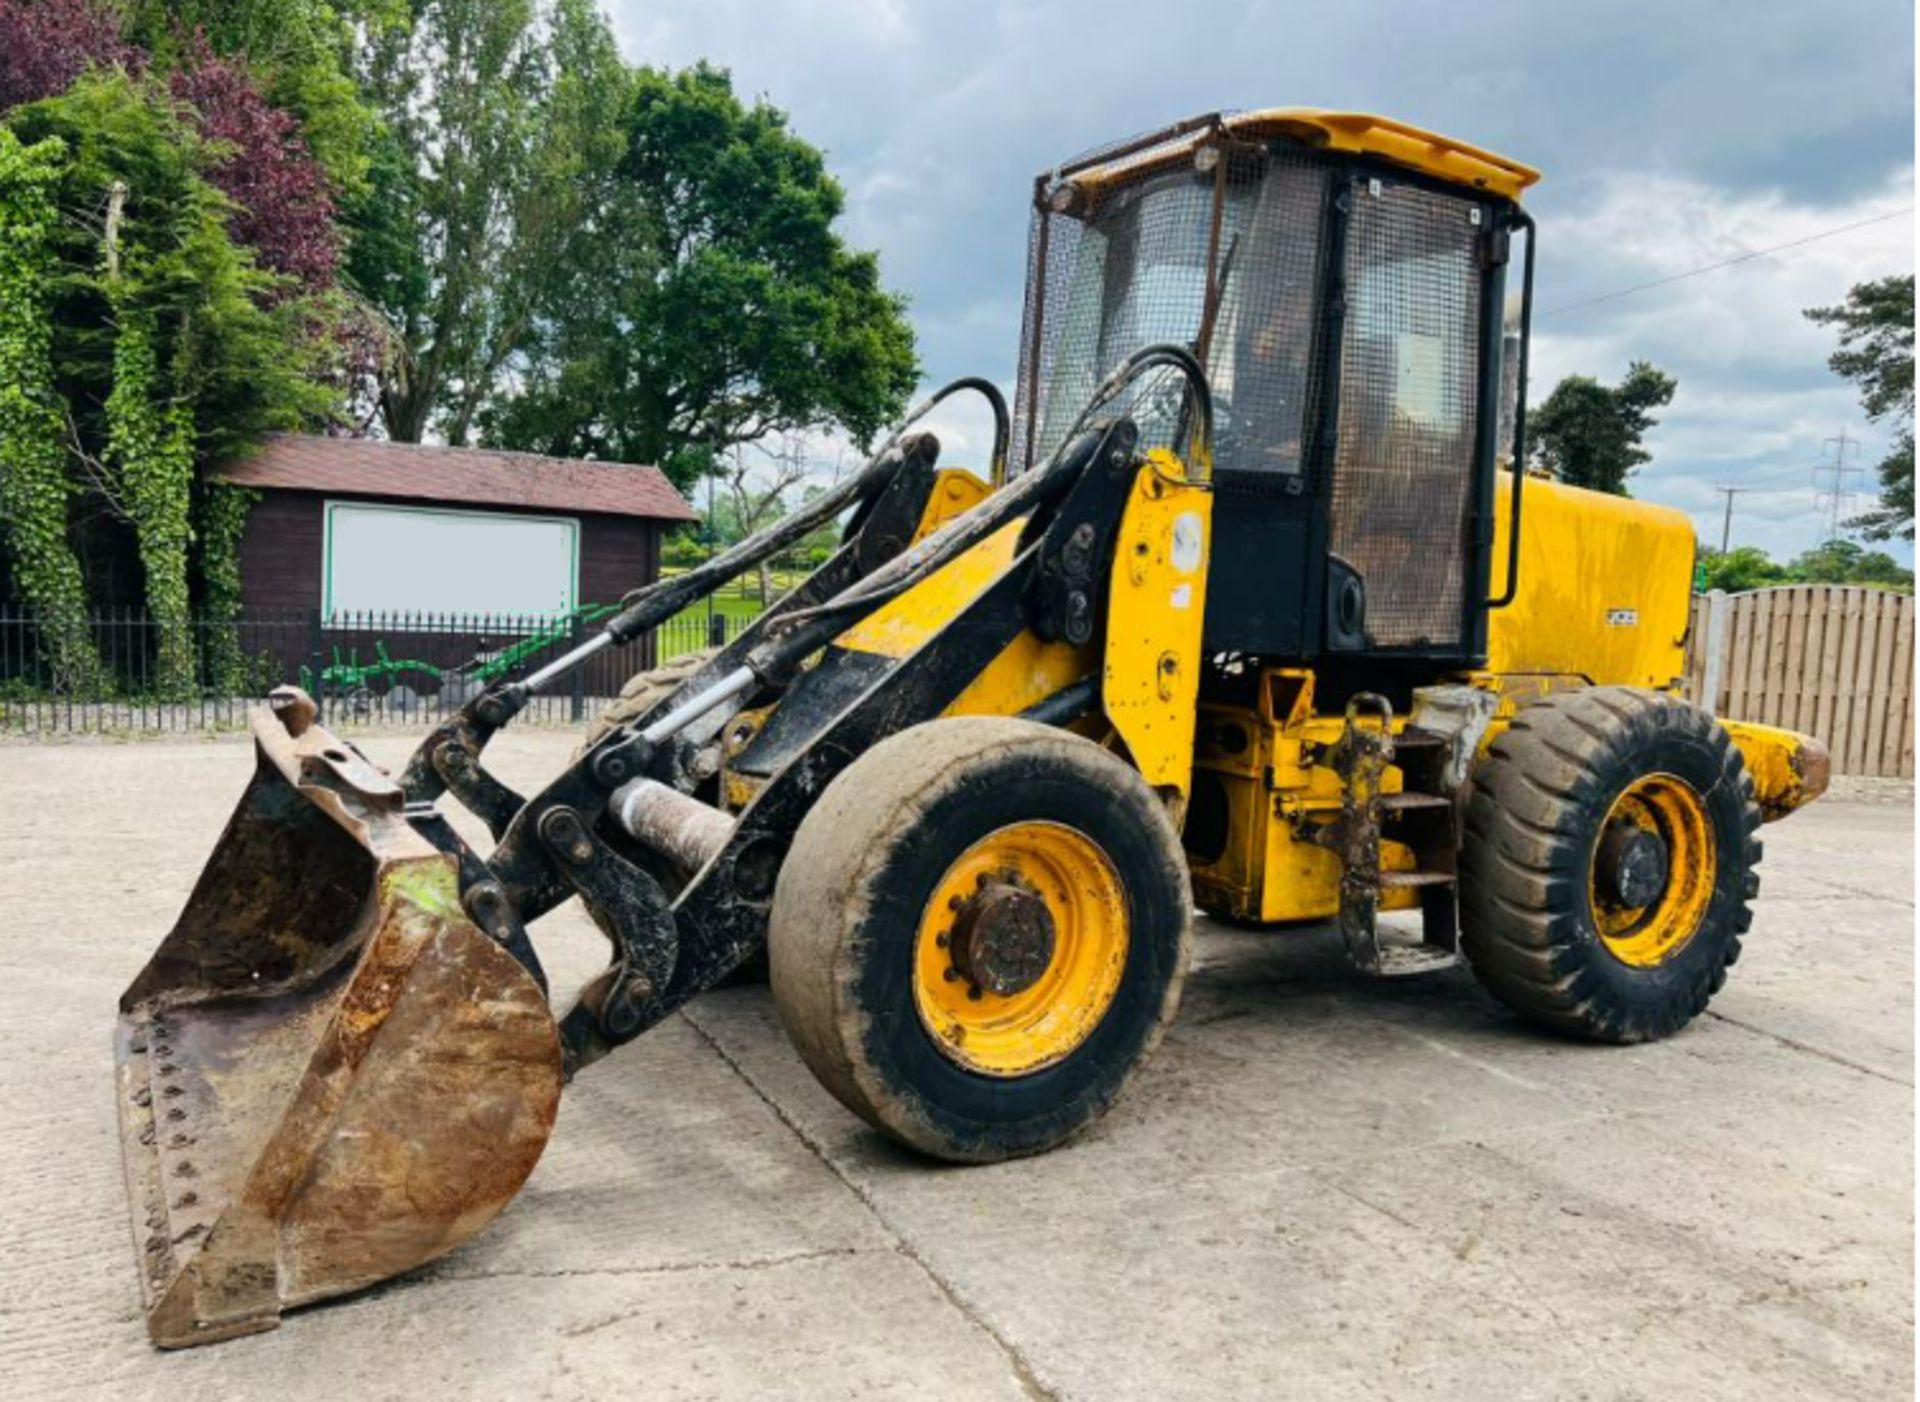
(1343, 279)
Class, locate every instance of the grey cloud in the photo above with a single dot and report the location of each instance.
(937, 117)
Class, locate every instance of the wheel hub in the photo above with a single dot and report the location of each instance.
(1003, 939)
(1021, 949)
(1632, 865)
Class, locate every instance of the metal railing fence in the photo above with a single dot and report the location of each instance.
(363, 668)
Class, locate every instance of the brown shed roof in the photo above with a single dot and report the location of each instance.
(468, 476)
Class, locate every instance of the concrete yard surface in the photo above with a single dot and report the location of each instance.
(1320, 1187)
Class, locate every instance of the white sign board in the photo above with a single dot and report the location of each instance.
(391, 559)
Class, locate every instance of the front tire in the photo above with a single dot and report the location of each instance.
(644, 691)
(980, 935)
(1607, 864)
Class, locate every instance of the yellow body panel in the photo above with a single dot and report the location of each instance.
(1155, 607)
(1028, 670)
(897, 629)
(1606, 588)
(1361, 133)
(1157, 601)
(956, 491)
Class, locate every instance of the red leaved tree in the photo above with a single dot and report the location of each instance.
(46, 44)
(283, 207)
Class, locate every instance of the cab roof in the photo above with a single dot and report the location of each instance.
(1359, 133)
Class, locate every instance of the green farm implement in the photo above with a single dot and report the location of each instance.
(394, 683)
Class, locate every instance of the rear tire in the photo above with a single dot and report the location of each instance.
(922, 834)
(1549, 921)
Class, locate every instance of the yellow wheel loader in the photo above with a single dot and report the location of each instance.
(1247, 611)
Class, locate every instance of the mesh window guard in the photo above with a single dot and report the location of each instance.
(1143, 264)
(1409, 392)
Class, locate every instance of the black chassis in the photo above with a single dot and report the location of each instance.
(556, 844)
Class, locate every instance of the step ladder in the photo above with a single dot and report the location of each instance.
(1421, 816)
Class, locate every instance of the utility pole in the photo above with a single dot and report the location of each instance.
(713, 548)
(1726, 521)
(1832, 494)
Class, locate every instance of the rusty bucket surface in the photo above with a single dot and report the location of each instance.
(327, 1074)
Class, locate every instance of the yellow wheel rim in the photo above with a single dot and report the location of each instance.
(1023, 1031)
(1652, 932)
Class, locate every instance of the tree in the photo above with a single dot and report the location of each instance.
(730, 310)
(168, 344)
(282, 203)
(1742, 568)
(256, 153)
(46, 44)
(1588, 434)
(485, 193)
(235, 343)
(1846, 562)
(757, 484)
(1876, 353)
(1834, 562)
(297, 52)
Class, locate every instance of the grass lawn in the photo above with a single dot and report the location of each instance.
(738, 599)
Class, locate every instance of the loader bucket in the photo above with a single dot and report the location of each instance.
(327, 1074)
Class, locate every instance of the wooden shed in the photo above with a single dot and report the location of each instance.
(357, 526)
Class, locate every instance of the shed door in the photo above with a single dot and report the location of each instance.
(389, 559)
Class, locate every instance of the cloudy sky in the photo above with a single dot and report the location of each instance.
(1673, 134)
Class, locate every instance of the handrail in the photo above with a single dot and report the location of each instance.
(1522, 218)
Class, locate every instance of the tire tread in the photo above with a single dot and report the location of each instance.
(1527, 816)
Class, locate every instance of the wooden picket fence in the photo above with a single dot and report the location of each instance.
(1835, 661)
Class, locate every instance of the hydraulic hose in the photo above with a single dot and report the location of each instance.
(799, 633)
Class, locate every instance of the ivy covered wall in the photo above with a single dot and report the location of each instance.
(141, 341)
(35, 488)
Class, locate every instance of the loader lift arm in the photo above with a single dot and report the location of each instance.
(555, 844)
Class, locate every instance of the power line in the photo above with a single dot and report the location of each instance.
(1727, 262)
(1782, 478)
